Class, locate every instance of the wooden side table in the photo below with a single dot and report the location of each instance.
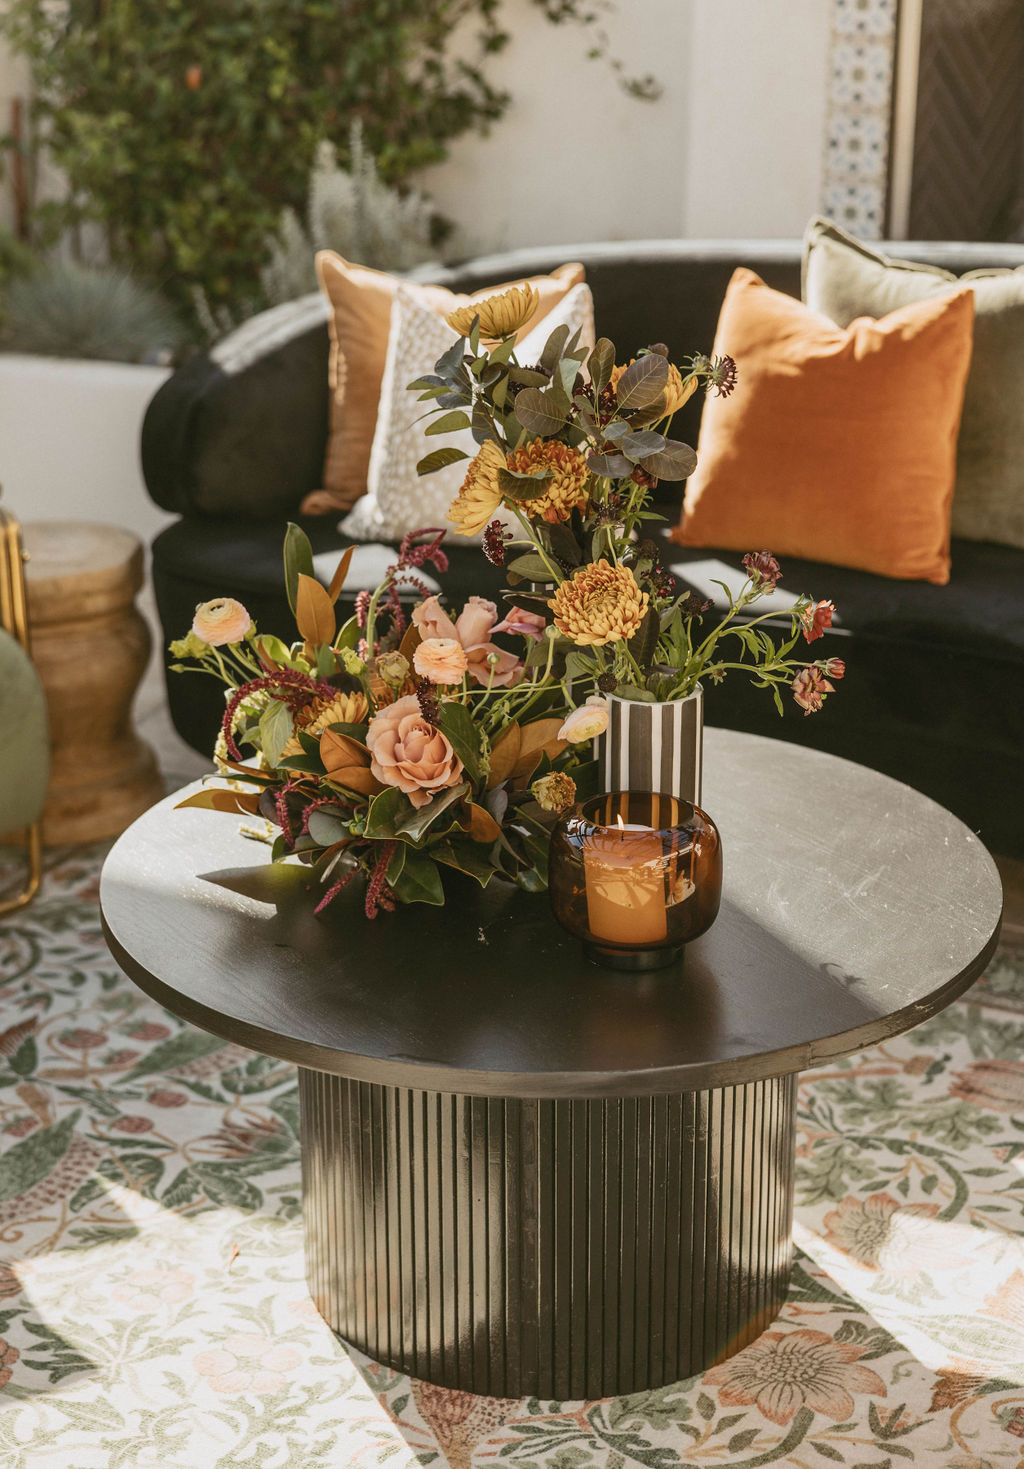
(523, 1174)
(90, 646)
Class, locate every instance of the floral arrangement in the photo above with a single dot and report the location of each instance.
(570, 449)
(400, 747)
(389, 746)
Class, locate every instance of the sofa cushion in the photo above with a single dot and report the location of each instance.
(835, 444)
(360, 318)
(844, 279)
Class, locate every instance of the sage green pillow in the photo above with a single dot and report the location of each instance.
(844, 279)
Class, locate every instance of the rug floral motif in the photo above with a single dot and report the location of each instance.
(153, 1308)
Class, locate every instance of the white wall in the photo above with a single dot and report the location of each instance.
(756, 141)
(734, 146)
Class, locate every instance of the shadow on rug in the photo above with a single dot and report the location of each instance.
(153, 1308)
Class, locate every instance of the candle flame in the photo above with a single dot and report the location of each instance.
(622, 826)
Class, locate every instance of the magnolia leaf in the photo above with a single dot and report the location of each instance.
(516, 486)
(338, 751)
(358, 778)
(465, 858)
(482, 825)
(600, 364)
(643, 383)
(439, 458)
(350, 634)
(382, 813)
(276, 723)
(419, 881)
(410, 642)
(540, 412)
(538, 738)
(609, 466)
(314, 611)
(304, 764)
(674, 461)
(636, 445)
(553, 348)
(504, 754)
(449, 423)
(530, 567)
(298, 558)
(422, 817)
(462, 734)
(272, 650)
(215, 798)
(397, 862)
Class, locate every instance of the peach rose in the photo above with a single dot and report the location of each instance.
(432, 620)
(409, 753)
(221, 621)
(442, 660)
(475, 622)
(586, 722)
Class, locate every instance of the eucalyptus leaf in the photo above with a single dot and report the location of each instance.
(539, 412)
(553, 348)
(449, 423)
(483, 428)
(428, 380)
(637, 445)
(449, 362)
(439, 458)
(516, 486)
(675, 461)
(326, 829)
(563, 543)
(642, 384)
(609, 466)
(528, 377)
(600, 364)
(459, 398)
(616, 430)
(530, 567)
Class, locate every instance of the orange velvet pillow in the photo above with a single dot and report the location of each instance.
(360, 321)
(836, 446)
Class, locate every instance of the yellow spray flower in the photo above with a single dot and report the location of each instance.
(600, 603)
(564, 491)
(480, 495)
(678, 390)
(313, 720)
(500, 316)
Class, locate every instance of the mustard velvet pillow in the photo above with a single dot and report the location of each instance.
(836, 445)
(360, 302)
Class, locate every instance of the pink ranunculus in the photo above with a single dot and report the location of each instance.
(433, 621)
(475, 622)
(221, 621)
(522, 624)
(407, 752)
(442, 660)
(586, 722)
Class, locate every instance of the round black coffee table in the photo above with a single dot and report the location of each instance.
(523, 1174)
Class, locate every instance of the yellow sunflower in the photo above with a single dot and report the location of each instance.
(500, 316)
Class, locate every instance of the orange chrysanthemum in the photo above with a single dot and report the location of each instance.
(600, 603)
(480, 494)
(565, 491)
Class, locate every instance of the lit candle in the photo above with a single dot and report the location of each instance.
(625, 878)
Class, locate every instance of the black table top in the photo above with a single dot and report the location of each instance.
(853, 908)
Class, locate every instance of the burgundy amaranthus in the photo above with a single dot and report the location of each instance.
(293, 688)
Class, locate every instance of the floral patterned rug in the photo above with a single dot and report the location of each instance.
(153, 1311)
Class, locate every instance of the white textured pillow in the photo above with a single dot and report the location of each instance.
(397, 501)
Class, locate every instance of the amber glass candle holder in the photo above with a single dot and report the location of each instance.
(636, 875)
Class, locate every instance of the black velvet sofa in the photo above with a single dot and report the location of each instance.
(934, 690)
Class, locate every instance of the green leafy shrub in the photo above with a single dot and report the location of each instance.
(185, 129)
(68, 310)
(351, 210)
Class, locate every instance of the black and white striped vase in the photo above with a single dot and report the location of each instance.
(653, 747)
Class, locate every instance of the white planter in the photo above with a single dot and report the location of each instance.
(69, 440)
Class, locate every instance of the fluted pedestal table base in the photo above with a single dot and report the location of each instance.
(555, 1248)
